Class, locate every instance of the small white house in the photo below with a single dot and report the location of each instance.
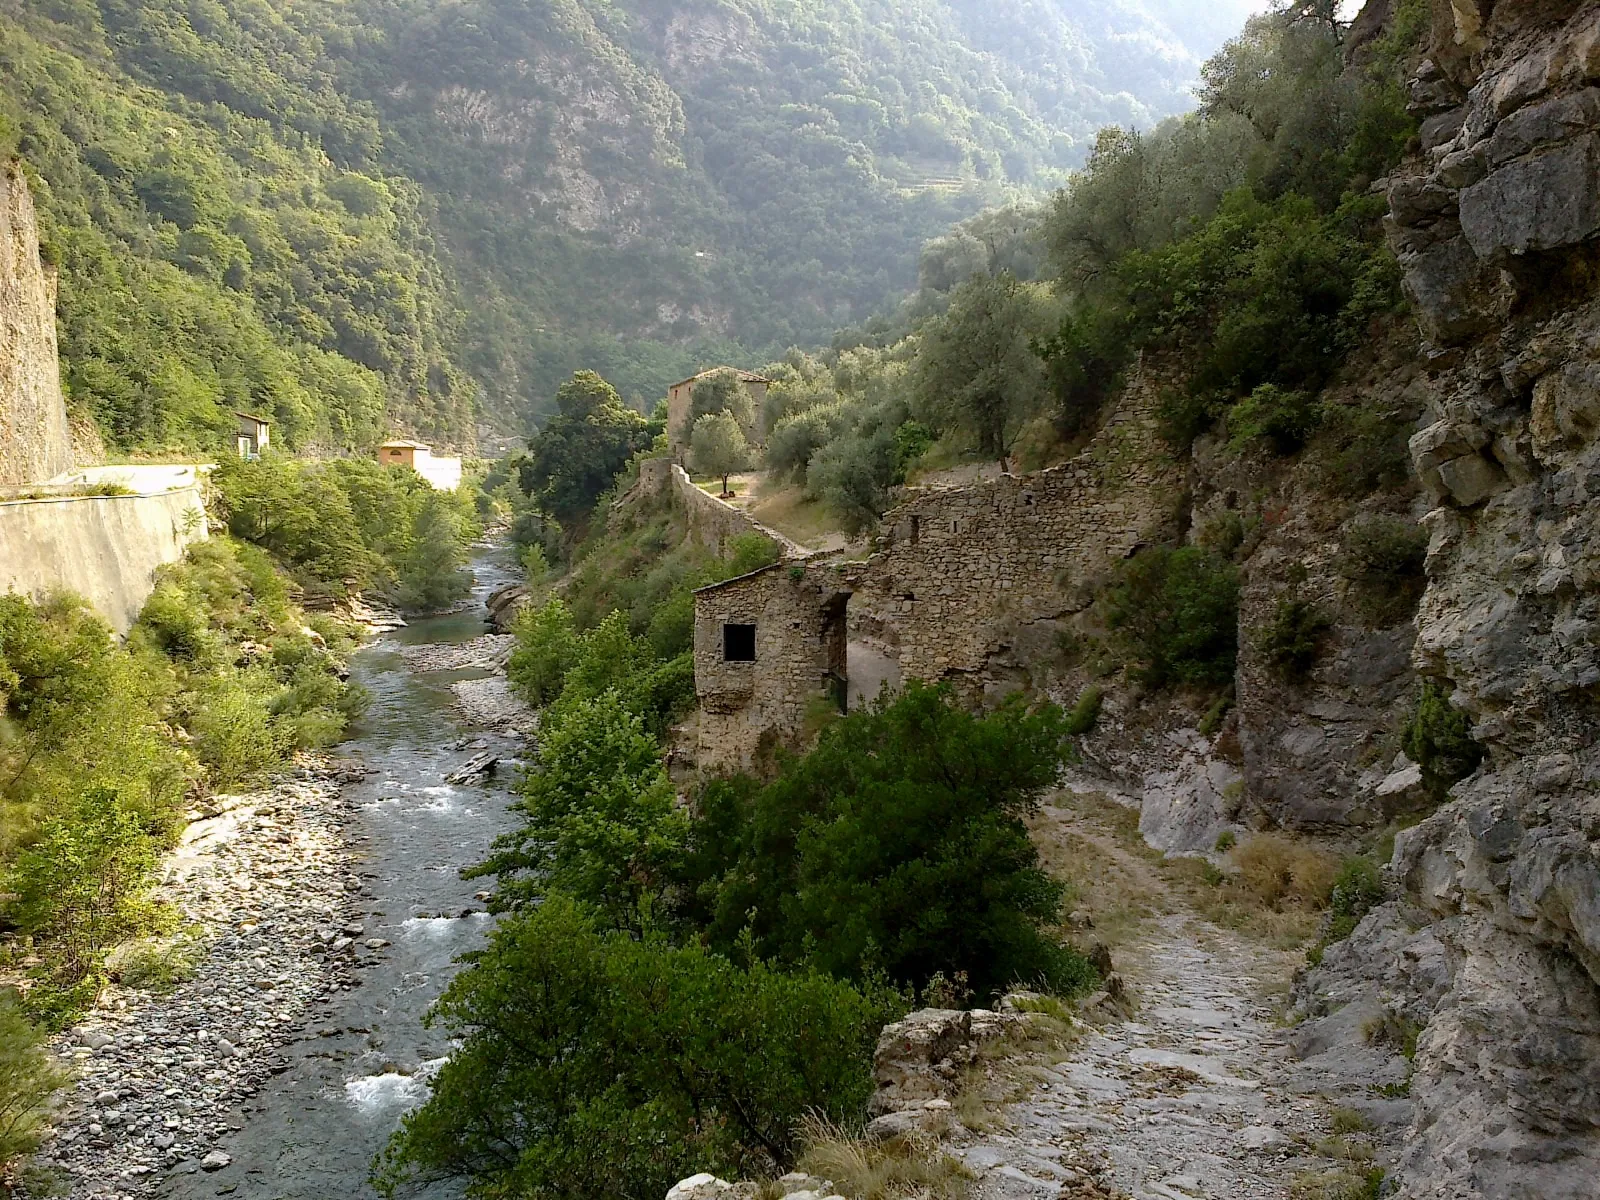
(443, 474)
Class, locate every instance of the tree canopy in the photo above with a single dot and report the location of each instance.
(572, 461)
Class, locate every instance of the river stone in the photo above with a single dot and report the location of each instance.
(216, 1160)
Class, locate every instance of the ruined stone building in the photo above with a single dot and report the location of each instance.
(681, 393)
(962, 573)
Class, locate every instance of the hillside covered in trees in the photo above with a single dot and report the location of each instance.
(374, 215)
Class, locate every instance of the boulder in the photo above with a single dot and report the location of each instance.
(1543, 202)
(920, 1058)
(706, 1186)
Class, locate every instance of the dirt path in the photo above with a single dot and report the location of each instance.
(1192, 1096)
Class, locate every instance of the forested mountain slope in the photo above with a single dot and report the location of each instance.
(363, 215)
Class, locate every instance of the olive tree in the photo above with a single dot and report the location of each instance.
(718, 446)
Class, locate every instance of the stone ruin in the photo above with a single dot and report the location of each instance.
(962, 574)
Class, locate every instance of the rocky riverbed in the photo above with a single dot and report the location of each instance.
(268, 884)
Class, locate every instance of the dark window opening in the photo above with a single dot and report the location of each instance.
(738, 643)
(916, 529)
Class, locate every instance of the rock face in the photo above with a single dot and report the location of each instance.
(1490, 959)
(35, 440)
(919, 1059)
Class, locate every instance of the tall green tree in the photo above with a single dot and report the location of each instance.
(575, 458)
(718, 447)
(977, 370)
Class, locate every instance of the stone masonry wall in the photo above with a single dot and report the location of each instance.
(712, 523)
(962, 566)
(748, 709)
(35, 439)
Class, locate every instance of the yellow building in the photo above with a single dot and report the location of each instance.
(443, 473)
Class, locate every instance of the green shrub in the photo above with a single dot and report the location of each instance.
(1357, 889)
(29, 1079)
(1291, 643)
(1438, 738)
(1083, 715)
(593, 1064)
(896, 844)
(431, 573)
(177, 625)
(1283, 420)
(157, 965)
(547, 647)
(234, 733)
(1176, 613)
(600, 819)
(1384, 557)
(1363, 451)
(82, 886)
(1223, 533)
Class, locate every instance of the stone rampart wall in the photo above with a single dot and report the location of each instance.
(963, 565)
(103, 548)
(711, 522)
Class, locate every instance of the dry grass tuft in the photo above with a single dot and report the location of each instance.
(1280, 872)
(1341, 1183)
(894, 1170)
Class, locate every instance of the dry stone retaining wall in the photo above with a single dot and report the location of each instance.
(712, 522)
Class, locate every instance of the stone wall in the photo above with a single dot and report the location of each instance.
(103, 548)
(712, 523)
(35, 439)
(962, 571)
(962, 568)
(749, 709)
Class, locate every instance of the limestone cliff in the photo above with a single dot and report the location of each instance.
(35, 440)
(1490, 957)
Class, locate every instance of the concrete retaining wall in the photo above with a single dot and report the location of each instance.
(103, 548)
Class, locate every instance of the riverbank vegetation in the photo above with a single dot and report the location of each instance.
(347, 526)
(107, 745)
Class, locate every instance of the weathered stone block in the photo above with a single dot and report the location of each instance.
(1440, 282)
(1540, 203)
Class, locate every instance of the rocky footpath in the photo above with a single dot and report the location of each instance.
(1487, 961)
(267, 884)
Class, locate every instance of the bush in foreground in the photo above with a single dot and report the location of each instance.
(898, 844)
(595, 1065)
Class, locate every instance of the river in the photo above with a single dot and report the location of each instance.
(364, 1056)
